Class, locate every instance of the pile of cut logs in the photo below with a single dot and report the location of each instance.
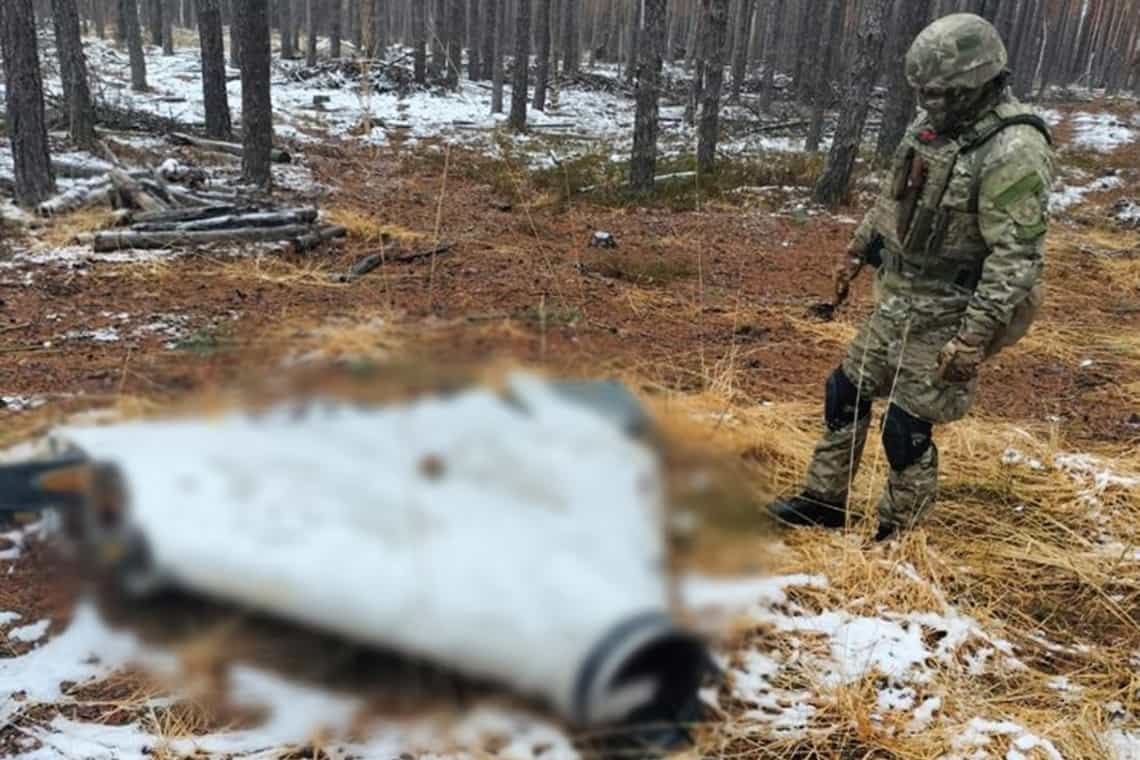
(174, 205)
(298, 228)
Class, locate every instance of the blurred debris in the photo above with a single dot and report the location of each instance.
(603, 240)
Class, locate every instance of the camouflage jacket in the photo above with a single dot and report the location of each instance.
(962, 221)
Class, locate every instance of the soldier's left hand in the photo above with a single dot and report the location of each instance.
(958, 361)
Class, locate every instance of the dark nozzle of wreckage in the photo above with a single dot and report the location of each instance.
(638, 689)
(92, 498)
(22, 487)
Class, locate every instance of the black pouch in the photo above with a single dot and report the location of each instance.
(922, 228)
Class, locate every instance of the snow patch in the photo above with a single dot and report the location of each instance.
(1100, 131)
(1065, 196)
(15, 539)
(832, 648)
(89, 649)
(100, 335)
(30, 633)
(1099, 476)
(978, 733)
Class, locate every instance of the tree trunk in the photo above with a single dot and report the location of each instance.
(218, 123)
(498, 72)
(636, 23)
(571, 44)
(556, 40)
(522, 57)
(379, 29)
(120, 25)
(285, 25)
(643, 167)
(419, 42)
(336, 26)
(808, 34)
(490, 23)
(350, 30)
(99, 11)
(167, 29)
(542, 53)
(310, 33)
(73, 73)
(832, 187)
(899, 107)
(1056, 48)
(697, 86)
(129, 12)
(474, 65)
(1029, 46)
(824, 93)
(716, 29)
(154, 21)
(439, 38)
(456, 21)
(256, 105)
(775, 22)
(25, 99)
(235, 37)
(693, 39)
(740, 47)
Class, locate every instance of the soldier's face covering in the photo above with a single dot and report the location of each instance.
(951, 109)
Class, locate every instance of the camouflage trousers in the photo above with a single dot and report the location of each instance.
(894, 356)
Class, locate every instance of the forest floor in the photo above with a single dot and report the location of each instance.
(1008, 626)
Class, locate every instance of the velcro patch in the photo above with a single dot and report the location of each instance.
(1029, 185)
(1026, 211)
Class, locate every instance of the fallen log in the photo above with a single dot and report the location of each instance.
(277, 155)
(233, 221)
(133, 192)
(79, 170)
(183, 214)
(371, 261)
(82, 195)
(119, 240)
(311, 240)
(156, 188)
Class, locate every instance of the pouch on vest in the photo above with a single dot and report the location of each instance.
(1023, 315)
(929, 215)
(909, 178)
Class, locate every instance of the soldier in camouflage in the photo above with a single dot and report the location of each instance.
(958, 239)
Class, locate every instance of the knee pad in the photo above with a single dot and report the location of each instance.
(840, 407)
(905, 437)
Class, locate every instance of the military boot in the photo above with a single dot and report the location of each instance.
(807, 509)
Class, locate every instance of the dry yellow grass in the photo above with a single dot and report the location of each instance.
(63, 230)
(365, 227)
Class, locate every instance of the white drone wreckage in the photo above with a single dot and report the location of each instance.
(514, 536)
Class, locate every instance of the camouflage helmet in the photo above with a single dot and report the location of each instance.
(960, 51)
